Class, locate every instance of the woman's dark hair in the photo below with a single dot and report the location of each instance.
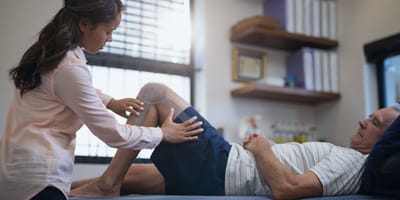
(59, 36)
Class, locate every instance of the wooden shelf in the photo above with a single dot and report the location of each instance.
(278, 39)
(299, 95)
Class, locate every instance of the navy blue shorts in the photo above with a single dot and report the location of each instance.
(49, 193)
(195, 167)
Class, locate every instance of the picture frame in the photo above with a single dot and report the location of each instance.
(248, 65)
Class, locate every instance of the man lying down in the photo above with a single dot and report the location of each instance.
(212, 166)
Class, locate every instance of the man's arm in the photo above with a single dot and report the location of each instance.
(283, 183)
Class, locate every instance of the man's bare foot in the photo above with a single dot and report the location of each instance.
(94, 189)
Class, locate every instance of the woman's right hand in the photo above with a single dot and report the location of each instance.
(183, 132)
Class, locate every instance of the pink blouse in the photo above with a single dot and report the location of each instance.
(37, 148)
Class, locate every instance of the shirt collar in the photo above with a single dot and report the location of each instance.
(78, 53)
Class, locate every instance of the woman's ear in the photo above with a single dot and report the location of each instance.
(84, 25)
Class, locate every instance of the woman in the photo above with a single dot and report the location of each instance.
(54, 97)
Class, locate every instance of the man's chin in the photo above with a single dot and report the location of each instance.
(355, 139)
(353, 145)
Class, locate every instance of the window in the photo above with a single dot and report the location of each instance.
(385, 54)
(152, 44)
(390, 81)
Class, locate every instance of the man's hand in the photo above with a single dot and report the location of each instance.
(256, 143)
(177, 133)
(284, 184)
(122, 106)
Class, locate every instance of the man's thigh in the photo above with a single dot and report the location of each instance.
(195, 167)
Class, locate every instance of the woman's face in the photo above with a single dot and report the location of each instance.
(95, 37)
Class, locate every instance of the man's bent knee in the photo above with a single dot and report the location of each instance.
(153, 93)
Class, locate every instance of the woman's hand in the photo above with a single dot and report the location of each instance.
(122, 106)
(183, 132)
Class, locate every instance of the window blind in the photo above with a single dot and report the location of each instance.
(154, 29)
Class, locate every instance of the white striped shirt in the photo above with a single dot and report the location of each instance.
(242, 176)
(337, 168)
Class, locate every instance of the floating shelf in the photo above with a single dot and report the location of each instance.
(299, 95)
(264, 37)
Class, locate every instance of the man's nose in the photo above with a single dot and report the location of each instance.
(363, 123)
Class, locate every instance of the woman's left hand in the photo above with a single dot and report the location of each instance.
(180, 132)
(122, 106)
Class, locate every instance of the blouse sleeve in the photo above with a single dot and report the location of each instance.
(105, 98)
(81, 97)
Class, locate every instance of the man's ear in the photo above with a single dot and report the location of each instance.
(85, 25)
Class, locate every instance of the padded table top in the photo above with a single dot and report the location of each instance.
(171, 197)
(192, 197)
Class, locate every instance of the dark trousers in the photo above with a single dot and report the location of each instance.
(49, 193)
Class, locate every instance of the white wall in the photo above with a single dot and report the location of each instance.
(359, 22)
(20, 20)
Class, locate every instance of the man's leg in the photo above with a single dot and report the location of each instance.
(143, 179)
(136, 180)
(158, 100)
(194, 167)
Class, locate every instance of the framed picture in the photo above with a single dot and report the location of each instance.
(248, 65)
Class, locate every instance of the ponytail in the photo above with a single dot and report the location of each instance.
(59, 36)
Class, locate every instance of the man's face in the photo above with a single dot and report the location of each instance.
(371, 128)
